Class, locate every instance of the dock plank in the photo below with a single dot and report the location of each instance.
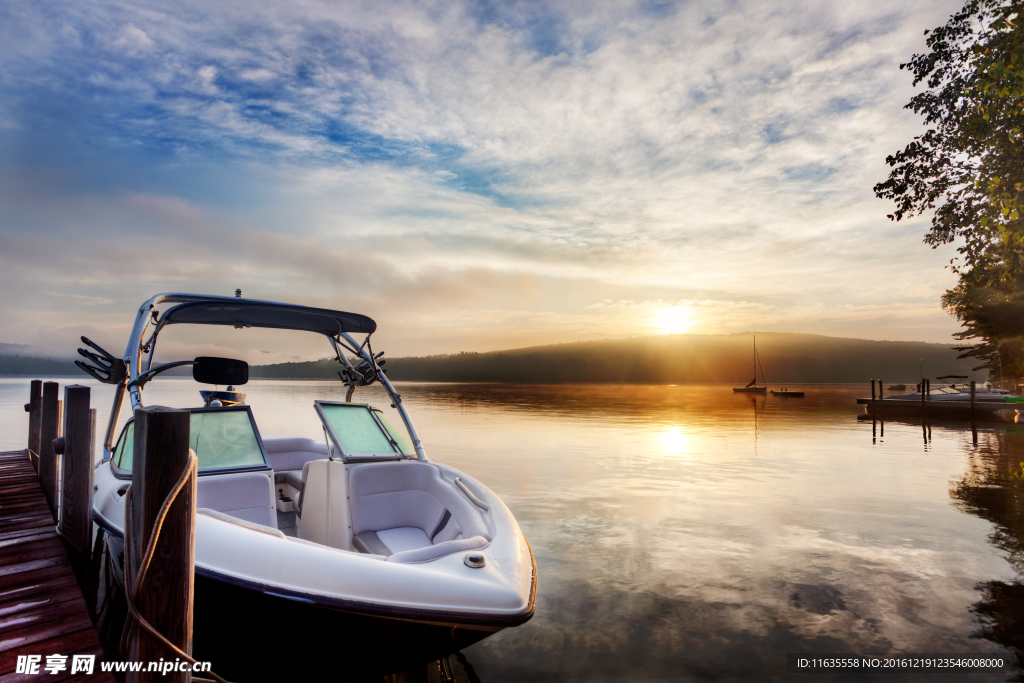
(42, 611)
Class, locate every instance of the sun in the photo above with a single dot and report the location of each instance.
(675, 320)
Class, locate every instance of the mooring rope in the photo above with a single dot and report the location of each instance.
(132, 584)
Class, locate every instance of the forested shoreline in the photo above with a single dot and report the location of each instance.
(685, 358)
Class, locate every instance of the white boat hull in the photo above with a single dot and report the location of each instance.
(249, 582)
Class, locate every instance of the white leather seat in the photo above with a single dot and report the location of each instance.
(322, 505)
(288, 455)
(405, 511)
(246, 495)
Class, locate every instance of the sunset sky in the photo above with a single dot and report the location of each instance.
(474, 176)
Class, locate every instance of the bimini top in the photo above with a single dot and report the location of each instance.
(253, 313)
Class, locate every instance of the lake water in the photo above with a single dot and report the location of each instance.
(688, 533)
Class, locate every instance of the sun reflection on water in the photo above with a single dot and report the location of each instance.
(674, 440)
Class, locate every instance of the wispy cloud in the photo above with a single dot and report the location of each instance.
(497, 167)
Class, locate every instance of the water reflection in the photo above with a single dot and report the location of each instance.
(688, 533)
(992, 489)
(674, 440)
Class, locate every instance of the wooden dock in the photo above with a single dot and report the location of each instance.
(42, 611)
(952, 410)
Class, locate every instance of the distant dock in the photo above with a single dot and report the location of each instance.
(921, 407)
(953, 410)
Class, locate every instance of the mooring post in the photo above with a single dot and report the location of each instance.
(879, 388)
(49, 429)
(164, 597)
(35, 405)
(75, 451)
(972, 399)
(873, 407)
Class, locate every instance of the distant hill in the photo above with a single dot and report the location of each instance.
(674, 359)
(37, 367)
(685, 358)
(325, 368)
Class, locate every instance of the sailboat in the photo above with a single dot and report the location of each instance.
(753, 387)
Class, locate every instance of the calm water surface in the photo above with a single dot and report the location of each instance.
(687, 533)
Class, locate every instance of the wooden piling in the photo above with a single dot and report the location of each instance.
(49, 429)
(924, 392)
(880, 397)
(76, 470)
(873, 406)
(972, 399)
(165, 595)
(35, 407)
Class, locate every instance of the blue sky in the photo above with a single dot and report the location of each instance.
(473, 175)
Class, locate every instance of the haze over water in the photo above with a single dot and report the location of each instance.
(687, 533)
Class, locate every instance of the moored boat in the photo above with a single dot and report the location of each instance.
(358, 540)
(983, 393)
(753, 387)
(228, 397)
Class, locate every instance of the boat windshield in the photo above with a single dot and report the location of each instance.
(222, 438)
(360, 431)
(396, 436)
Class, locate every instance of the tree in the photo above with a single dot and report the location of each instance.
(968, 169)
(994, 315)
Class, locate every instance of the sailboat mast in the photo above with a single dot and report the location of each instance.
(755, 360)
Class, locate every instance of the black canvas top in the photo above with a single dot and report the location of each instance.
(243, 313)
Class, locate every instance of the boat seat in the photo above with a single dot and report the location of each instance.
(248, 496)
(300, 485)
(405, 511)
(288, 455)
(292, 477)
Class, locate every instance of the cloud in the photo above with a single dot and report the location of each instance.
(207, 76)
(131, 39)
(492, 168)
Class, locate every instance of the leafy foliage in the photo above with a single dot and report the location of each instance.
(968, 168)
(995, 315)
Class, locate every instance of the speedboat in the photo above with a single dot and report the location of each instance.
(228, 397)
(351, 543)
(956, 392)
